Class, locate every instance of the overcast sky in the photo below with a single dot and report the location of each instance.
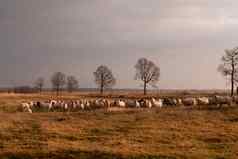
(186, 38)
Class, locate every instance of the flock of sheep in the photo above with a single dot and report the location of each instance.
(77, 105)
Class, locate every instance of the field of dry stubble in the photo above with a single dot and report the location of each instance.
(167, 133)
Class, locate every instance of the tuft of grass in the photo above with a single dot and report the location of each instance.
(80, 155)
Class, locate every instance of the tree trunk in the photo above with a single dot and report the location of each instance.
(57, 91)
(145, 88)
(232, 87)
(101, 87)
(102, 84)
(232, 78)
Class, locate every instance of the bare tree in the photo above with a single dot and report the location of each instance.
(39, 84)
(229, 66)
(58, 81)
(147, 72)
(104, 78)
(72, 83)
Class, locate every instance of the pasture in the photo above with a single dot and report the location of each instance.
(167, 133)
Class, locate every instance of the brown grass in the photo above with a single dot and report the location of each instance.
(171, 133)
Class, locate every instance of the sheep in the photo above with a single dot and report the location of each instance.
(97, 104)
(179, 101)
(157, 103)
(235, 100)
(223, 100)
(190, 101)
(52, 104)
(148, 104)
(87, 105)
(107, 103)
(46, 105)
(82, 105)
(26, 107)
(131, 103)
(121, 103)
(137, 104)
(145, 103)
(170, 102)
(203, 101)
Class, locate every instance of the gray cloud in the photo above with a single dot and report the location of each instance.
(185, 37)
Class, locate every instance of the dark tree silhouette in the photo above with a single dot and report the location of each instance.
(229, 66)
(104, 78)
(58, 81)
(147, 72)
(39, 84)
(72, 83)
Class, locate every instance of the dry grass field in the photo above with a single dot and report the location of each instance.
(167, 133)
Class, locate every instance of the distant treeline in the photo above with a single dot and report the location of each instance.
(147, 72)
(25, 89)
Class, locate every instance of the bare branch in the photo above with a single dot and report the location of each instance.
(58, 81)
(147, 72)
(72, 83)
(104, 78)
(229, 66)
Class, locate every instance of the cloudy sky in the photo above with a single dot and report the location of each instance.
(186, 38)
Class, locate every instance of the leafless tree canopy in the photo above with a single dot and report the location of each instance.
(58, 81)
(72, 83)
(229, 66)
(147, 72)
(104, 78)
(39, 84)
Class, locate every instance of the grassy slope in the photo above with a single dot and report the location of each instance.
(166, 133)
